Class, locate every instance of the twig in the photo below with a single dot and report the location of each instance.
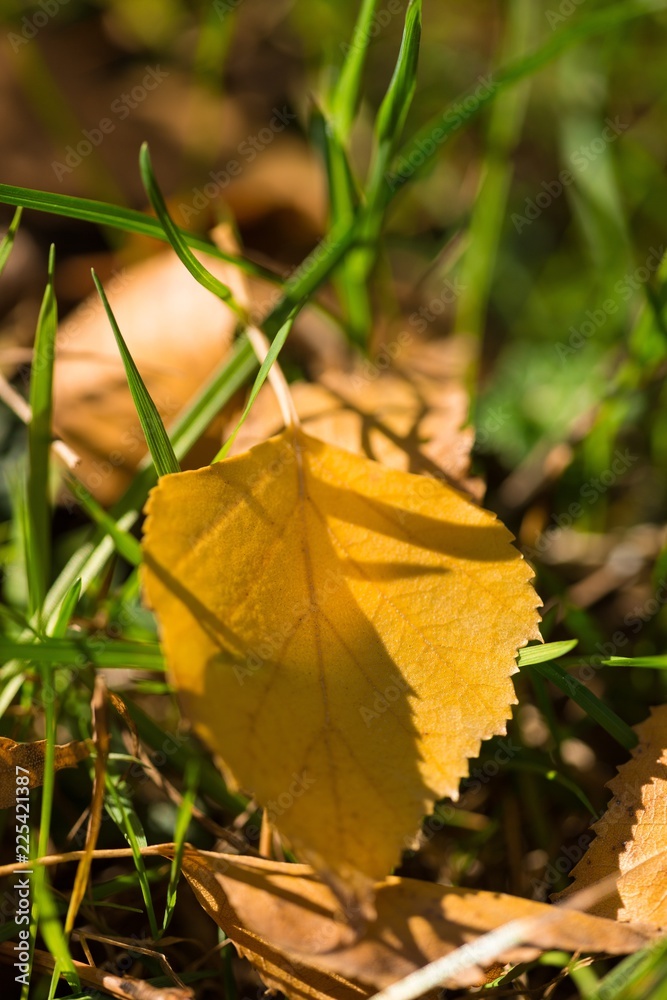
(261, 346)
(17, 404)
(123, 987)
(485, 949)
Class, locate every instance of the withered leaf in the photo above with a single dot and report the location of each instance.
(406, 408)
(30, 758)
(288, 923)
(631, 836)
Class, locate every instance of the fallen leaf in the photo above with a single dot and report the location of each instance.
(101, 980)
(280, 201)
(177, 332)
(631, 836)
(29, 757)
(342, 634)
(406, 408)
(288, 923)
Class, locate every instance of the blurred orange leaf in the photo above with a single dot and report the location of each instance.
(405, 408)
(160, 308)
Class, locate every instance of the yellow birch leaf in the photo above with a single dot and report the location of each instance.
(341, 634)
(30, 758)
(631, 836)
(287, 922)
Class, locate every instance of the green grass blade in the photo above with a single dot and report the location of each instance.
(391, 118)
(127, 219)
(91, 558)
(8, 691)
(191, 424)
(396, 103)
(311, 273)
(51, 927)
(16, 617)
(344, 206)
(530, 655)
(185, 254)
(157, 438)
(235, 372)
(45, 911)
(262, 375)
(126, 544)
(179, 750)
(61, 620)
(8, 239)
(345, 94)
(470, 104)
(489, 208)
(49, 708)
(388, 127)
(87, 563)
(659, 662)
(590, 703)
(547, 771)
(191, 780)
(637, 976)
(38, 541)
(121, 811)
(100, 650)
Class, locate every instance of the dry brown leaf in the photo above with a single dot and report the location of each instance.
(631, 836)
(30, 757)
(406, 409)
(280, 199)
(177, 332)
(288, 923)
